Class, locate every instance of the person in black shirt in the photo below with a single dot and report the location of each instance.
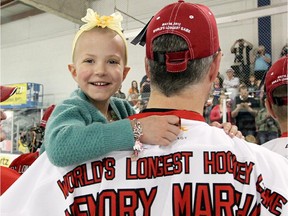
(244, 112)
(242, 58)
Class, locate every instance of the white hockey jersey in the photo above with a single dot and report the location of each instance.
(279, 145)
(204, 172)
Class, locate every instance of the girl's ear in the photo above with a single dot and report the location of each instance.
(125, 72)
(72, 69)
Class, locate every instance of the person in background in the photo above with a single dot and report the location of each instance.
(267, 128)
(221, 79)
(253, 86)
(33, 139)
(284, 51)
(244, 110)
(120, 94)
(216, 113)
(261, 61)
(133, 93)
(231, 83)
(145, 90)
(216, 91)
(138, 107)
(7, 175)
(241, 48)
(276, 87)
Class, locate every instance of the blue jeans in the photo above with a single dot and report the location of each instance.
(265, 136)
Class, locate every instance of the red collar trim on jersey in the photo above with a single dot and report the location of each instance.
(185, 114)
(285, 134)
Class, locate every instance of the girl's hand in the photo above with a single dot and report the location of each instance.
(160, 130)
(231, 130)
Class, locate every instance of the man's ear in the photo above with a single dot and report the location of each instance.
(147, 67)
(125, 72)
(269, 108)
(214, 68)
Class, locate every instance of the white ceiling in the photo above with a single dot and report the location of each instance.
(12, 10)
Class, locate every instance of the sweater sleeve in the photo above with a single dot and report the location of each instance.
(77, 132)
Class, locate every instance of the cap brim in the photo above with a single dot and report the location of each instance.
(6, 92)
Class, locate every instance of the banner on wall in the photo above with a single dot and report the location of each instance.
(20, 97)
(6, 159)
(28, 95)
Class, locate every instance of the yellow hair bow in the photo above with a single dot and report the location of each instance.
(92, 19)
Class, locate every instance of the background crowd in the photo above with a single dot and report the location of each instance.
(240, 88)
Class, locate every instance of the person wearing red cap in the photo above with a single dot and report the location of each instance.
(8, 176)
(276, 87)
(182, 60)
(204, 172)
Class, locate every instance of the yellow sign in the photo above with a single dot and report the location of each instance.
(6, 159)
(20, 97)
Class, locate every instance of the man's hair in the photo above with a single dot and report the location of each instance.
(280, 111)
(243, 87)
(170, 83)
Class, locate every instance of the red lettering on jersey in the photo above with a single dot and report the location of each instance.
(224, 199)
(86, 200)
(223, 196)
(147, 199)
(182, 199)
(203, 202)
(111, 197)
(78, 177)
(243, 171)
(120, 202)
(226, 162)
(247, 202)
(272, 201)
(158, 166)
(128, 202)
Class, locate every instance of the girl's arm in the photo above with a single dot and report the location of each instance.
(76, 133)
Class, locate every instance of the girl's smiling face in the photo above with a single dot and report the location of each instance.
(99, 64)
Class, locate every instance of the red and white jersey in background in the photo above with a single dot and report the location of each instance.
(204, 172)
(278, 145)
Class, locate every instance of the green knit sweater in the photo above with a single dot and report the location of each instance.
(77, 131)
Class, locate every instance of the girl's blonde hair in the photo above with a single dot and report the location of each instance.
(92, 20)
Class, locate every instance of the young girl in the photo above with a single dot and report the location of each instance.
(84, 126)
(91, 123)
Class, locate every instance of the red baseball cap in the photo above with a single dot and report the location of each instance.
(6, 92)
(46, 115)
(275, 77)
(195, 23)
(7, 178)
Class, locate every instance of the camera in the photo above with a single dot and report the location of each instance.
(269, 122)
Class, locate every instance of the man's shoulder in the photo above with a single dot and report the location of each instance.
(278, 145)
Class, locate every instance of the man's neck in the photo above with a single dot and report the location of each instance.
(183, 101)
